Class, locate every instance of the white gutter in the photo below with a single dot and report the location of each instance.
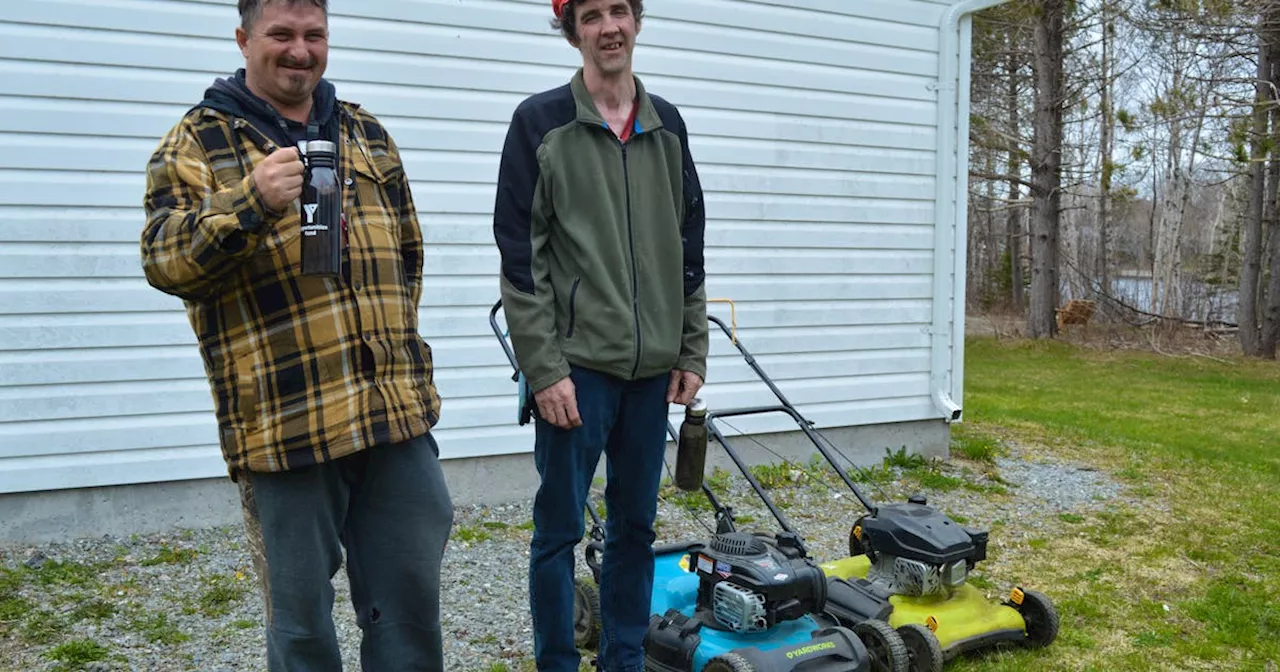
(951, 230)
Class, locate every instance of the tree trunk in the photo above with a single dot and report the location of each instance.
(1251, 264)
(1271, 207)
(1014, 166)
(1105, 148)
(1046, 168)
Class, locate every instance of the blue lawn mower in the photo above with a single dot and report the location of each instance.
(735, 602)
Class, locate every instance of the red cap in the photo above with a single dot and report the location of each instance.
(558, 6)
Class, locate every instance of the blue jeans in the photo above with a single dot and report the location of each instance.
(627, 420)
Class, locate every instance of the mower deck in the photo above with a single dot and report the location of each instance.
(964, 622)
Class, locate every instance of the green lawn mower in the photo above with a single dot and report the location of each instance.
(908, 564)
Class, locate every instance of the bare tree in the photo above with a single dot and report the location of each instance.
(1046, 167)
(1260, 302)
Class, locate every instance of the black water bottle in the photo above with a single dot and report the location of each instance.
(691, 450)
(321, 211)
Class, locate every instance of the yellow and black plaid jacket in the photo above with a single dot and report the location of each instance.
(302, 369)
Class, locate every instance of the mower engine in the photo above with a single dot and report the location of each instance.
(915, 550)
(748, 585)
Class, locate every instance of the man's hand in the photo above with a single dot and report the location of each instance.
(279, 178)
(558, 404)
(683, 387)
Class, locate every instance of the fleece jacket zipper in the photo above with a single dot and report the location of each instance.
(635, 276)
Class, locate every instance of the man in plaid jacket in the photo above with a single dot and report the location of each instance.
(322, 386)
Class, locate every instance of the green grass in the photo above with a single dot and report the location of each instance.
(170, 555)
(974, 446)
(76, 654)
(1189, 578)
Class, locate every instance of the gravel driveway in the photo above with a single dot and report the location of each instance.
(189, 601)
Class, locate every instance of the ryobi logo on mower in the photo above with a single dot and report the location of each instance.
(812, 648)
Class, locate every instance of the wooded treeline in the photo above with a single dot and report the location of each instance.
(1128, 152)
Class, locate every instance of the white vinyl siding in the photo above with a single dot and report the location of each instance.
(813, 124)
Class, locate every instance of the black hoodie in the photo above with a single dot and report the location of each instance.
(232, 96)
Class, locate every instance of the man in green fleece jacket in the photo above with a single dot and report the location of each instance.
(599, 220)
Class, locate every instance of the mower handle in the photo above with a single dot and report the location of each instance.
(805, 426)
(502, 339)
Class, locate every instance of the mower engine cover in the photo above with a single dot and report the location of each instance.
(916, 550)
(747, 585)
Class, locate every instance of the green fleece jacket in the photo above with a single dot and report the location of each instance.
(601, 240)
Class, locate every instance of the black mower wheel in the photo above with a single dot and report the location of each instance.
(923, 649)
(1041, 618)
(885, 648)
(586, 615)
(729, 662)
(855, 544)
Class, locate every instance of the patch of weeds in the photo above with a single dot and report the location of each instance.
(774, 476)
(784, 500)
(129, 586)
(904, 460)
(1037, 544)
(527, 525)
(244, 624)
(1072, 518)
(981, 582)
(718, 480)
(744, 518)
(43, 627)
(1091, 576)
(157, 629)
(1154, 639)
(217, 598)
(93, 610)
(958, 518)
(935, 480)
(67, 574)
(1114, 526)
(693, 501)
(877, 475)
(11, 580)
(13, 608)
(76, 655)
(1132, 473)
(470, 534)
(985, 488)
(975, 447)
(486, 639)
(170, 555)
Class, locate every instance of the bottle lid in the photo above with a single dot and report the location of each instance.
(696, 407)
(321, 147)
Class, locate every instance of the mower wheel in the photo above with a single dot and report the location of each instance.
(1041, 618)
(885, 648)
(856, 547)
(729, 662)
(586, 614)
(923, 648)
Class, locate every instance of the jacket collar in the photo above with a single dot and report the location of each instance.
(647, 118)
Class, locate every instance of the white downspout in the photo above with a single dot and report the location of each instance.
(951, 208)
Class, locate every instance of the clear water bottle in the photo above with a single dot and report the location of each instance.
(321, 211)
(691, 449)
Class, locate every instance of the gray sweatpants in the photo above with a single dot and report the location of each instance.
(389, 507)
